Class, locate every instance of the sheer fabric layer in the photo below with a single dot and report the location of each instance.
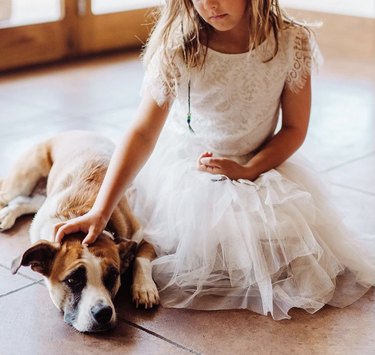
(268, 245)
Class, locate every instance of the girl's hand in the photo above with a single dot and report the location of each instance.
(91, 223)
(222, 166)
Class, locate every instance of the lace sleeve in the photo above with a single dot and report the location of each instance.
(305, 56)
(162, 90)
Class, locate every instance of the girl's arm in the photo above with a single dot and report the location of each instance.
(295, 119)
(128, 158)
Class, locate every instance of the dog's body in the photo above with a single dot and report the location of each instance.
(82, 281)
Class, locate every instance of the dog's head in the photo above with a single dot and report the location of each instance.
(82, 281)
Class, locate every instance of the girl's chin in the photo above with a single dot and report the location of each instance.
(222, 26)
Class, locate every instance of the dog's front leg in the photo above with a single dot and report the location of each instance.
(18, 207)
(144, 290)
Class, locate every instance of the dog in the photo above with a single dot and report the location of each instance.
(82, 280)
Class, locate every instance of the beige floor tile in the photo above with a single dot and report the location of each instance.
(359, 174)
(120, 118)
(357, 209)
(342, 122)
(32, 325)
(13, 243)
(13, 111)
(43, 123)
(329, 331)
(78, 93)
(9, 283)
(14, 140)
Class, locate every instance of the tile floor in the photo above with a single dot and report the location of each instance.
(101, 94)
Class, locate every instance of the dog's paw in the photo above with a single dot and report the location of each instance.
(145, 294)
(7, 219)
(3, 201)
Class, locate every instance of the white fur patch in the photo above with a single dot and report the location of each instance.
(138, 236)
(19, 206)
(42, 226)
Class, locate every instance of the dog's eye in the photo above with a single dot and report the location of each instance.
(76, 279)
(72, 282)
(110, 278)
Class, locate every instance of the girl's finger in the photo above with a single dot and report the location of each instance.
(57, 226)
(204, 155)
(65, 230)
(210, 169)
(90, 238)
(205, 161)
(211, 162)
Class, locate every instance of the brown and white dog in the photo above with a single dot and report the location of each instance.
(82, 281)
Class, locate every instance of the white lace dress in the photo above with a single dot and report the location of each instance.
(267, 245)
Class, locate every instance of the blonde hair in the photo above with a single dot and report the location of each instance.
(179, 28)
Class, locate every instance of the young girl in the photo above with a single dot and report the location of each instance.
(236, 222)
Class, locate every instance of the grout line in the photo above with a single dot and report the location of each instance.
(159, 336)
(21, 274)
(348, 162)
(40, 282)
(21, 288)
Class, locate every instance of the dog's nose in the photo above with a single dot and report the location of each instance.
(102, 314)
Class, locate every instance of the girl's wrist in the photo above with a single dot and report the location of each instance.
(250, 172)
(101, 215)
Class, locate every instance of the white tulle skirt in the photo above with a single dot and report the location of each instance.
(268, 245)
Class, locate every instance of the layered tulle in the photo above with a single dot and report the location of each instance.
(267, 245)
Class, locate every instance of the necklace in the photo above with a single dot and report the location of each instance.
(188, 117)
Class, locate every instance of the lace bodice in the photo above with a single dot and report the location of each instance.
(235, 98)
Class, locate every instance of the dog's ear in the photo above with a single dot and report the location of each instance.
(127, 250)
(39, 256)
